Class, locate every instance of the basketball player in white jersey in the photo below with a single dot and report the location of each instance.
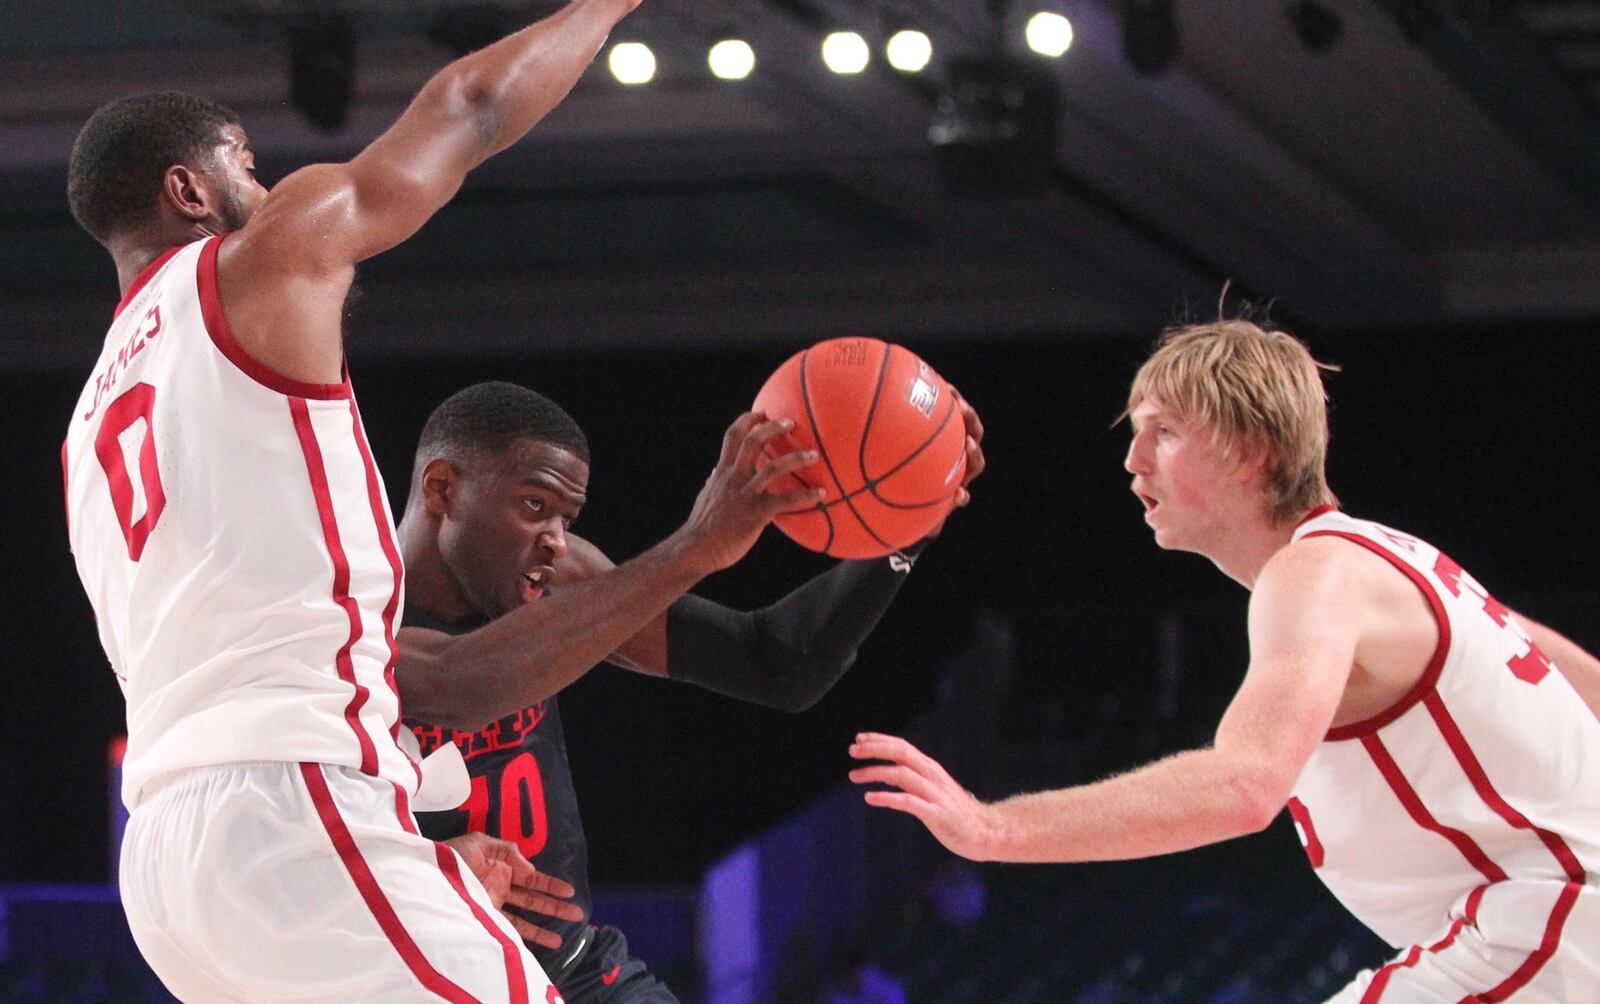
(1436, 751)
(232, 534)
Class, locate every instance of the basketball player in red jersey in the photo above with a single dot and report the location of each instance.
(505, 603)
(1435, 750)
(233, 536)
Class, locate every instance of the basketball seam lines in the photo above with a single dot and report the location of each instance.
(872, 483)
(822, 451)
(876, 390)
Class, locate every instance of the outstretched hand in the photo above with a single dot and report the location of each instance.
(922, 788)
(511, 880)
(737, 501)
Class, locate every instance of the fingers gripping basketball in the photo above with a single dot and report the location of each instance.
(891, 440)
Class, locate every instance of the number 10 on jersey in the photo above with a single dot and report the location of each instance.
(522, 811)
(126, 438)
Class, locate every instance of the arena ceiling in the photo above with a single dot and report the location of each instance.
(1436, 164)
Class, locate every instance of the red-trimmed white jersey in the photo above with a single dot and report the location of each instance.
(233, 535)
(1471, 801)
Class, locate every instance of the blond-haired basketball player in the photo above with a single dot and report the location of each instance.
(1435, 750)
(232, 533)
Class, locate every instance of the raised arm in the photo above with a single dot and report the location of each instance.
(1304, 628)
(533, 652)
(1581, 669)
(284, 277)
(472, 109)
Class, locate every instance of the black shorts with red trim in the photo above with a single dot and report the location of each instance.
(607, 974)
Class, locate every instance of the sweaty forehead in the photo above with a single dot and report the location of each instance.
(233, 134)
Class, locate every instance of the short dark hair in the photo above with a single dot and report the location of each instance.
(487, 418)
(124, 150)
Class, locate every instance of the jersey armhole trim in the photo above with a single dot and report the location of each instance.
(1430, 675)
(222, 336)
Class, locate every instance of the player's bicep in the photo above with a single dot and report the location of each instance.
(1305, 622)
(418, 164)
(407, 175)
(421, 669)
(326, 218)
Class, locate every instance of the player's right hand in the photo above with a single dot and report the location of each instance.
(547, 896)
(511, 880)
(916, 783)
(738, 500)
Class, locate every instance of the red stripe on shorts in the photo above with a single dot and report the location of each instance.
(1558, 848)
(371, 894)
(1380, 979)
(341, 577)
(1535, 961)
(402, 809)
(516, 979)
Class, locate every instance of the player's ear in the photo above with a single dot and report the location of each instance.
(187, 191)
(439, 481)
(1252, 459)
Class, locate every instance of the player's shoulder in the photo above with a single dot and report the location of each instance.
(1311, 555)
(1304, 567)
(1326, 568)
(282, 235)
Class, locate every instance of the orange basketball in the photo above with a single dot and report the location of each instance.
(891, 440)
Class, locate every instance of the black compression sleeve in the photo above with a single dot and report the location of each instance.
(789, 654)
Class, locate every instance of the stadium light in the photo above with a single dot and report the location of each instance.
(1049, 34)
(845, 52)
(632, 63)
(909, 51)
(731, 59)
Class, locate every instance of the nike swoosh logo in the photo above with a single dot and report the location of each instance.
(611, 977)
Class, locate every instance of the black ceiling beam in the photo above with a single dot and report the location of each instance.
(1512, 78)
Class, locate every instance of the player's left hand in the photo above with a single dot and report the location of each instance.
(512, 880)
(925, 790)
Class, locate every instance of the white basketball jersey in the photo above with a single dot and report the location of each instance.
(233, 535)
(1471, 800)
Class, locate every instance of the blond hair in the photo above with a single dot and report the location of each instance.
(1252, 388)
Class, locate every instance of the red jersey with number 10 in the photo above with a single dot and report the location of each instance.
(233, 535)
(1473, 799)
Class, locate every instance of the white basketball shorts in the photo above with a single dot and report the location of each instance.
(308, 882)
(1526, 942)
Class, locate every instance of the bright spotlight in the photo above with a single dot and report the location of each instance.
(632, 63)
(909, 51)
(845, 52)
(1049, 34)
(731, 59)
